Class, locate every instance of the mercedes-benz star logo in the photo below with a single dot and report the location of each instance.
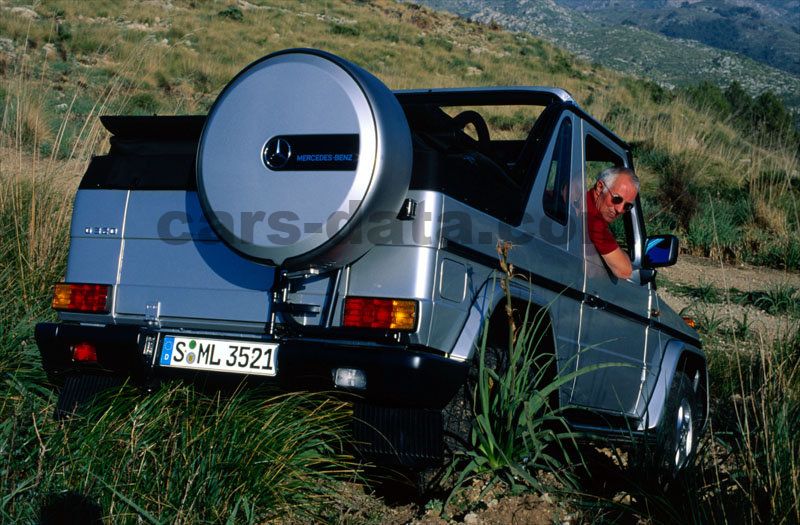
(277, 153)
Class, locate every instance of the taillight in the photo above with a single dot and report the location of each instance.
(389, 314)
(82, 297)
(84, 352)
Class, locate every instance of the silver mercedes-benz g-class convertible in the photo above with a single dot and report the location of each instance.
(318, 231)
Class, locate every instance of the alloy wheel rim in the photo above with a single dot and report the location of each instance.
(684, 433)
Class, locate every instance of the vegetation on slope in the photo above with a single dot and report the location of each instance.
(64, 63)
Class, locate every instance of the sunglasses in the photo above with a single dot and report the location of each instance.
(617, 199)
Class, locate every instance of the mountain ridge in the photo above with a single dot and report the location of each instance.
(767, 31)
(668, 61)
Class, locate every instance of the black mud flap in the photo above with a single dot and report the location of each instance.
(403, 437)
(80, 389)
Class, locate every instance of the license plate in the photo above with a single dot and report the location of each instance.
(221, 355)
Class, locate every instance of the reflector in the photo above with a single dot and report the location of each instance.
(389, 314)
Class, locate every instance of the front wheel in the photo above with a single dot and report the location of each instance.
(678, 432)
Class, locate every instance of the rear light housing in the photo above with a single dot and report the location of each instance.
(374, 312)
(77, 297)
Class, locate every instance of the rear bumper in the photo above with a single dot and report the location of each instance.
(396, 374)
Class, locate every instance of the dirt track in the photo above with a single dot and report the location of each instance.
(697, 271)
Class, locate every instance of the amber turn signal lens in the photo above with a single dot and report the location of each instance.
(73, 297)
(388, 314)
(691, 322)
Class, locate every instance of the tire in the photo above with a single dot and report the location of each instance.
(678, 432)
(458, 416)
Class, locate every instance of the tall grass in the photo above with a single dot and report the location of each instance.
(749, 467)
(179, 456)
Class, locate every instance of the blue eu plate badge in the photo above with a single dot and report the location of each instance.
(166, 351)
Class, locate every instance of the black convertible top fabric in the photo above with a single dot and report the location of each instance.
(147, 153)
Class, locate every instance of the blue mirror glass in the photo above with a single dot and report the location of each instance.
(660, 250)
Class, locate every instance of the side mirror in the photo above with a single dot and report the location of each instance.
(660, 250)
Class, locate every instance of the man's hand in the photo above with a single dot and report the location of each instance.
(619, 263)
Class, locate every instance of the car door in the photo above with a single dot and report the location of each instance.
(554, 213)
(615, 312)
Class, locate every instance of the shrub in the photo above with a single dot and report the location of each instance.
(708, 96)
(344, 30)
(765, 116)
(780, 299)
(144, 103)
(561, 64)
(617, 114)
(519, 120)
(677, 193)
(715, 229)
(63, 32)
(232, 13)
(659, 219)
(771, 119)
(776, 253)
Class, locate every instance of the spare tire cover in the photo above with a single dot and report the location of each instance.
(298, 150)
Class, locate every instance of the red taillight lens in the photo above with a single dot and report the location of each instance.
(82, 297)
(85, 352)
(389, 314)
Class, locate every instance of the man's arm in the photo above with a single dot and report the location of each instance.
(619, 263)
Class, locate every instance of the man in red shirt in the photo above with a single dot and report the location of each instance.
(613, 195)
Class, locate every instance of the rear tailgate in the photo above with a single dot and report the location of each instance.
(174, 264)
(138, 225)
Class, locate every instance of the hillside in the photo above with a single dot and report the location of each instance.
(766, 31)
(629, 44)
(63, 63)
(181, 455)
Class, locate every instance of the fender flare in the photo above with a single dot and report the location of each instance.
(677, 354)
(484, 304)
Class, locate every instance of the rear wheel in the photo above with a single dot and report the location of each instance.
(459, 414)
